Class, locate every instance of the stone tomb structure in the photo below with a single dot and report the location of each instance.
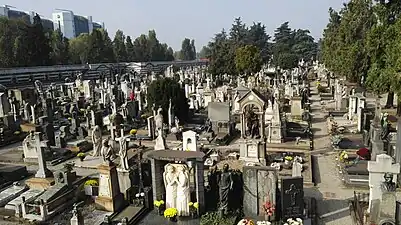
(253, 146)
(260, 187)
(379, 197)
(193, 160)
(292, 198)
(110, 198)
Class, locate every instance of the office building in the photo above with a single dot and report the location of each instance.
(12, 13)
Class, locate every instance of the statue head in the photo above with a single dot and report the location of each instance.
(388, 177)
(106, 143)
(226, 167)
(170, 168)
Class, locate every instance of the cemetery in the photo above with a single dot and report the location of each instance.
(106, 152)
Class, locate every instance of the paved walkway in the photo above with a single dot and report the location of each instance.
(330, 192)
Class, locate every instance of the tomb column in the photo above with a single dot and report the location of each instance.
(157, 179)
(200, 191)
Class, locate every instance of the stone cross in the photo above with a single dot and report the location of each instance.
(112, 128)
(377, 169)
(42, 172)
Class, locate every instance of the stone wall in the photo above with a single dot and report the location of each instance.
(157, 179)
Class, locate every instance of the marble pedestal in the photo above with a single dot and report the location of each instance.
(253, 151)
(41, 184)
(110, 197)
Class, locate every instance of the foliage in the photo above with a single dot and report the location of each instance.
(288, 158)
(170, 212)
(158, 203)
(214, 218)
(91, 182)
(81, 154)
(26, 44)
(288, 48)
(248, 59)
(170, 89)
(362, 42)
(188, 50)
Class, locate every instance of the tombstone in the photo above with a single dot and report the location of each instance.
(296, 169)
(48, 131)
(189, 141)
(42, 172)
(292, 198)
(377, 169)
(5, 106)
(151, 127)
(397, 154)
(110, 197)
(296, 106)
(260, 187)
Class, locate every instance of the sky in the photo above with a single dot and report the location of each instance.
(175, 20)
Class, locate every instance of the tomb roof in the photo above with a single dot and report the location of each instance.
(174, 155)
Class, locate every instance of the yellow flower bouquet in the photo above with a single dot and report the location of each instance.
(91, 183)
(171, 213)
(193, 208)
(158, 203)
(132, 132)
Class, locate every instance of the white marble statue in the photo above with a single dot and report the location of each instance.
(236, 101)
(97, 141)
(159, 120)
(123, 154)
(183, 192)
(170, 183)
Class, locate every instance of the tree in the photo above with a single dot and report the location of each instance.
(119, 47)
(79, 49)
(283, 56)
(204, 52)
(38, 44)
(188, 51)
(96, 46)
(108, 53)
(171, 89)
(60, 48)
(6, 43)
(130, 49)
(248, 60)
(258, 37)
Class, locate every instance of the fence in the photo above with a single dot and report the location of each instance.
(357, 207)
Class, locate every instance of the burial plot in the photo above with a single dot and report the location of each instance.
(260, 187)
(292, 195)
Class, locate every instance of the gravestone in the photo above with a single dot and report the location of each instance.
(189, 141)
(110, 198)
(377, 169)
(260, 186)
(292, 195)
(296, 169)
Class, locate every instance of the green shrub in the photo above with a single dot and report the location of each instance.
(214, 218)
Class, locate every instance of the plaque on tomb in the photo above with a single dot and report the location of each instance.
(253, 151)
(388, 206)
(292, 195)
(104, 189)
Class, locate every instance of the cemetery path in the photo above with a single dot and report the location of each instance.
(331, 195)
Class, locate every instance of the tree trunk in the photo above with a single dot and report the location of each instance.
(399, 106)
(390, 100)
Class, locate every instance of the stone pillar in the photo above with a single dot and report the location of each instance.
(157, 180)
(200, 190)
(350, 107)
(376, 142)
(110, 197)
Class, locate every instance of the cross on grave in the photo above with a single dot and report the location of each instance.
(293, 191)
(112, 128)
(377, 169)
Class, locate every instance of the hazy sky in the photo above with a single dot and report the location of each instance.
(176, 19)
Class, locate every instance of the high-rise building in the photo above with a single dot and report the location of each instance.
(73, 25)
(64, 20)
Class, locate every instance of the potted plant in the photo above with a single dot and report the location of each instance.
(288, 160)
(171, 214)
(81, 156)
(159, 206)
(193, 208)
(269, 210)
(91, 187)
(132, 132)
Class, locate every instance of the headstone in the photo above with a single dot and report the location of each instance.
(260, 187)
(189, 141)
(292, 198)
(42, 172)
(296, 106)
(377, 169)
(296, 169)
(110, 197)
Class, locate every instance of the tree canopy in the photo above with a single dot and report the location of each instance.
(362, 43)
(289, 46)
(188, 50)
(171, 90)
(248, 59)
(26, 44)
